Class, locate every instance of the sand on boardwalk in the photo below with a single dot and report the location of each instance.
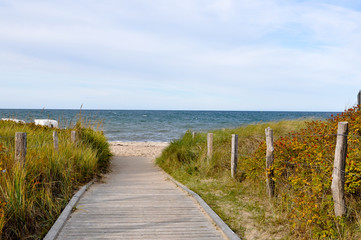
(144, 149)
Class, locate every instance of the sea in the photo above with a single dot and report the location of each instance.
(156, 125)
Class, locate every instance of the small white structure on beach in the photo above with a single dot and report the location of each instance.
(13, 120)
(46, 122)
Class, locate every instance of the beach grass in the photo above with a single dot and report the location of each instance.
(303, 206)
(242, 204)
(33, 195)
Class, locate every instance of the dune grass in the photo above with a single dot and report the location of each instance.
(303, 207)
(32, 196)
(242, 204)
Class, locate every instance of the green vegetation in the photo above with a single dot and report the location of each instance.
(303, 206)
(303, 173)
(32, 196)
(240, 203)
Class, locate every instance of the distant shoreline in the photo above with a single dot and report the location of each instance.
(157, 126)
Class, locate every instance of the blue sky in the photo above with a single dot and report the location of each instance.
(180, 54)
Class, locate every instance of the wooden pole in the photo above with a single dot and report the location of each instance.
(234, 155)
(209, 145)
(20, 147)
(338, 173)
(359, 100)
(56, 140)
(74, 137)
(269, 162)
(193, 135)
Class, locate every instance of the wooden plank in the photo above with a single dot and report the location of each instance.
(60, 222)
(137, 202)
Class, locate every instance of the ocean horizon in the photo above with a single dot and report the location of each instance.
(157, 125)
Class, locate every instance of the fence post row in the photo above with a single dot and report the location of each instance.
(234, 155)
(21, 144)
(209, 145)
(269, 162)
(338, 173)
(20, 147)
(56, 140)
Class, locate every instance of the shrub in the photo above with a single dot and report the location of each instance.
(303, 174)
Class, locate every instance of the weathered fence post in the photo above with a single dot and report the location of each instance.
(193, 135)
(56, 140)
(74, 137)
(359, 100)
(234, 155)
(269, 162)
(338, 173)
(20, 147)
(209, 145)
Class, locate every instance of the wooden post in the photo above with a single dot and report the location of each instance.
(74, 137)
(56, 140)
(269, 162)
(359, 100)
(234, 155)
(193, 135)
(20, 147)
(209, 145)
(338, 173)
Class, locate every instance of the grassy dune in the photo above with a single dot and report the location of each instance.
(303, 207)
(32, 196)
(242, 204)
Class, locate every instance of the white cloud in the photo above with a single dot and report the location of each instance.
(217, 51)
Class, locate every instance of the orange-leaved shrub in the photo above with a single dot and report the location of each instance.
(303, 173)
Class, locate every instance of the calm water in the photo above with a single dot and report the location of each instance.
(161, 126)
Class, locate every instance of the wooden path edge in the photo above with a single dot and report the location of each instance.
(225, 229)
(60, 222)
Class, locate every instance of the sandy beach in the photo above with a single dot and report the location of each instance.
(144, 149)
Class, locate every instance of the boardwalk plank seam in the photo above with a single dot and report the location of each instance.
(137, 214)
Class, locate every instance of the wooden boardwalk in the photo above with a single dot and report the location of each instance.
(136, 201)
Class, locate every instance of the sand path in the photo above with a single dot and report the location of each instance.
(136, 201)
